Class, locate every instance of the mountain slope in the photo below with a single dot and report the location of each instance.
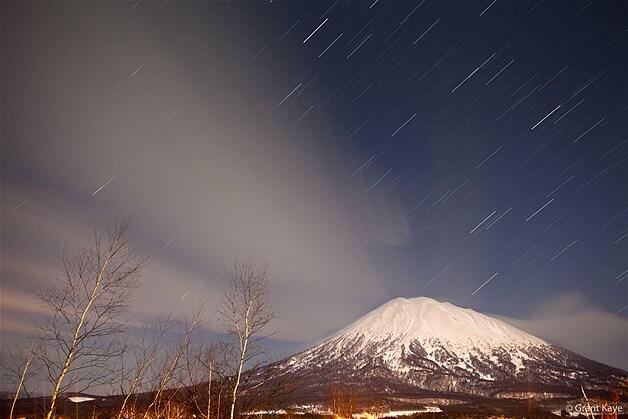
(420, 345)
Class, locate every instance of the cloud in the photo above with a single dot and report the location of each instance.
(19, 312)
(155, 127)
(380, 219)
(198, 160)
(12, 300)
(570, 321)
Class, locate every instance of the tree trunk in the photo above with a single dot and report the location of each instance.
(238, 375)
(19, 386)
(209, 393)
(70, 356)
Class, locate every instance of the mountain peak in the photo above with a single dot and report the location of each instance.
(413, 300)
(420, 344)
(423, 318)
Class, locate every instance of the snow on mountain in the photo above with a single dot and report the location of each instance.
(403, 322)
(420, 344)
(401, 325)
(426, 318)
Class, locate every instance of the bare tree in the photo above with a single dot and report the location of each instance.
(202, 369)
(168, 372)
(29, 359)
(144, 355)
(17, 367)
(246, 312)
(80, 340)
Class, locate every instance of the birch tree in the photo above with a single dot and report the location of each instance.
(80, 341)
(17, 367)
(246, 312)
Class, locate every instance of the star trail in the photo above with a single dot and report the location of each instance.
(471, 151)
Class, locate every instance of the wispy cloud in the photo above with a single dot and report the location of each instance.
(570, 321)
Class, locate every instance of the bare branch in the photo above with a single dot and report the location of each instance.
(245, 313)
(81, 339)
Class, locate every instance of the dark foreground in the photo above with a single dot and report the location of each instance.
(106, 407)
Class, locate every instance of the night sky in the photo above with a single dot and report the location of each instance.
(470, 151)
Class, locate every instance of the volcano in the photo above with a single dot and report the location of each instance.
(423, 347)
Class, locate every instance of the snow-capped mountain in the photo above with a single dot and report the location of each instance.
(422, 346)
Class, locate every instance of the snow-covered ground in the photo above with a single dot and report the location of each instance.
(303, 409)
(80, 399)
(398, 413)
